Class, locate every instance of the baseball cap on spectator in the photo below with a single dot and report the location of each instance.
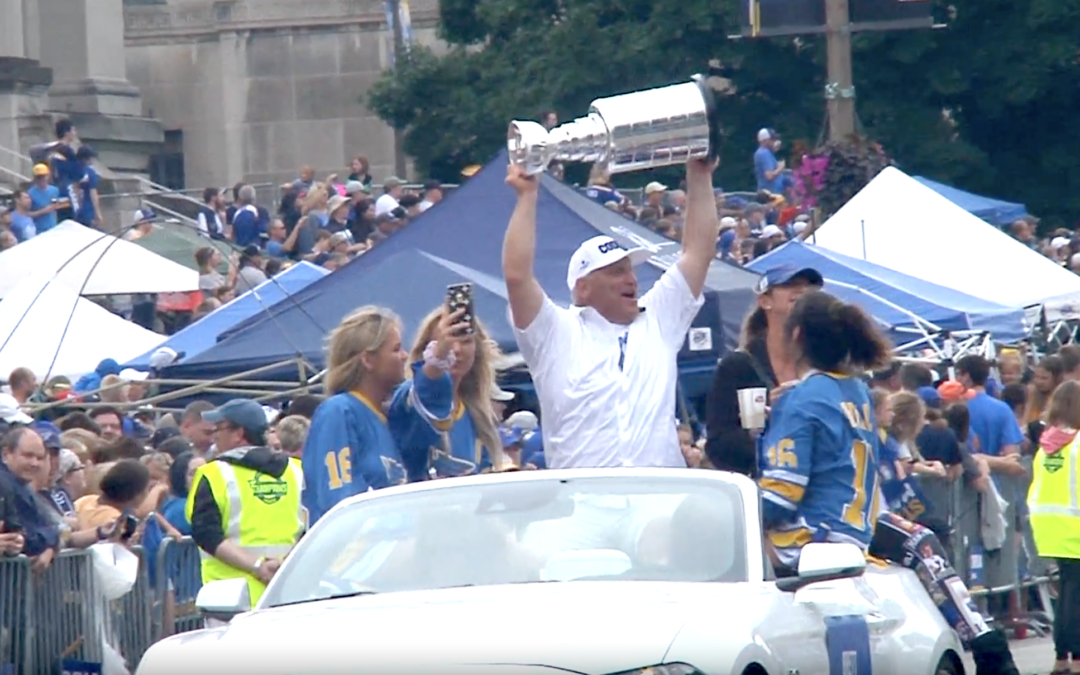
(239, 412)
(930, 396)
(770, 231)
(952, 391)
(728, 221)
(432, 185)
(597, 253)
(50, 435)
(132, 375)
(10, 413)
(800, 226)
(655, 187)
(726, 240)
(86, 152)
(164, 356)
(69, 462)
(354, 186)
(1059, 242)
(392, 182)
(785, 274)
(766, 134)
(41, 170)
(500, 394)
(524, 420)
(144, 215)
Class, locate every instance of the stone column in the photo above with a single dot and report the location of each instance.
(83, 42)
(11, 29)
(23, 84)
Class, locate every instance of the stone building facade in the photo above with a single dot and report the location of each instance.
(226, 90)
(252, 89)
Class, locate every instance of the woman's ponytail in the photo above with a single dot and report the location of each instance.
(868, 349)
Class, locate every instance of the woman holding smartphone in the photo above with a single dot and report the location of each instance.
(442, 417)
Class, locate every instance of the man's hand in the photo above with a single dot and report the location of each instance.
(522, 182)
(267, 570)
(42, 562)
(11, 543)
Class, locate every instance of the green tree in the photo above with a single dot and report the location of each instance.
(983, 104)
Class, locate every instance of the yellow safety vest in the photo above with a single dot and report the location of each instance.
(1054, 502)
(261, 513)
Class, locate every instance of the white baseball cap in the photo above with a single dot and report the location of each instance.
(599, 252)
(770, 231)
(655, 187)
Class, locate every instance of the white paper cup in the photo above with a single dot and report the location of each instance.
(752, 407)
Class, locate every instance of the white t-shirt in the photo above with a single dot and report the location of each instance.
(593, 413)
(385, 204)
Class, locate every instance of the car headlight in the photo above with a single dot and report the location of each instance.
(665, 669)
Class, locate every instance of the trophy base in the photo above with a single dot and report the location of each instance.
(712, 112)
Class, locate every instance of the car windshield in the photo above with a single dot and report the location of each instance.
(522, 531)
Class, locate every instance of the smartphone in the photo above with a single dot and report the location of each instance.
(129, 525)
(460, 296)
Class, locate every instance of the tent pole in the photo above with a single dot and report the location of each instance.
(862, 226)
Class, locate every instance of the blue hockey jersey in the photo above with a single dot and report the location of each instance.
(433, 431)
(349, 450)
(819, 465)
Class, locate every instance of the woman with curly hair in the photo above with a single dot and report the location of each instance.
(442, 417)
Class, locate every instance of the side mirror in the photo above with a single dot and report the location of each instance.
(825, 562)
(224, 599)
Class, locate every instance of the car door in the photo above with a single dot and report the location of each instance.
(850, 627)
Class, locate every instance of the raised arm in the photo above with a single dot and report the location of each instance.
(519, 250)
(702, 225)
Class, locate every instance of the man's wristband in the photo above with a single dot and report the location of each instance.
(258, 565)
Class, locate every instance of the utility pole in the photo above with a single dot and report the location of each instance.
(399, 54)
(839, 90)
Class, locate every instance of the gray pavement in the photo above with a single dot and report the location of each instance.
(1034, 656)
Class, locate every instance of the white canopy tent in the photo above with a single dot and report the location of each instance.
(78, 255)
(46, 327)
(899, 223)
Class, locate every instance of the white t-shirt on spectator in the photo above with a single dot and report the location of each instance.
(385, 204)
(594, 414)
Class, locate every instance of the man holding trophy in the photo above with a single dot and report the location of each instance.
(605, 368)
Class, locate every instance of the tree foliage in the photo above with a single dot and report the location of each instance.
(982, 104)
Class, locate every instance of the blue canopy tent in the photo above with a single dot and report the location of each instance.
(463, 236)
(994, 211)
(906, 305)
(203, 334)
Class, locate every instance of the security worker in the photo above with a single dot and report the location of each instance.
(1054, 508)
(244, 506)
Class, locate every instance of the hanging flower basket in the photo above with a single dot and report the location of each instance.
(835, 172)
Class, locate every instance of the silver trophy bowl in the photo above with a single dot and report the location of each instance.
(630, 132)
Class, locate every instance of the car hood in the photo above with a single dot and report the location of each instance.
(580, 627)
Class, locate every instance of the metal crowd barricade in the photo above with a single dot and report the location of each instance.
(177, 580)
(14, 608)
(63, 618)
(1000, 580)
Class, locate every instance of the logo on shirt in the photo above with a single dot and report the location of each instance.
(609, 246)
(267, 489)
(1053, 463)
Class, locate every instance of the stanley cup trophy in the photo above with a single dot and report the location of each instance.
(630, 132)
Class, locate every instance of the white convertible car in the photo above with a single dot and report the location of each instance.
(624, 571)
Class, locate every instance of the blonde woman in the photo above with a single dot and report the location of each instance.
(349, 449)
(443, 418)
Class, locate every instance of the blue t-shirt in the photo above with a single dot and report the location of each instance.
(89, 183)
(765, 160)
(993, 423)
(275, 249)
(40, 197)
(22, 226)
